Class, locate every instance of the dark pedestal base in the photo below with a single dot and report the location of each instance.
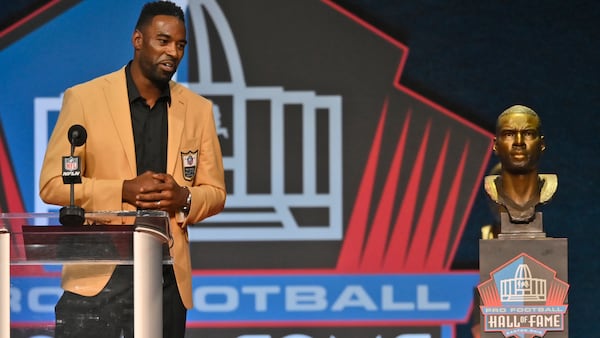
(531, 230)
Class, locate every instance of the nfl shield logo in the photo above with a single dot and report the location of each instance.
(71, 164)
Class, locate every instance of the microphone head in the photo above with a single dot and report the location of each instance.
(77, 135)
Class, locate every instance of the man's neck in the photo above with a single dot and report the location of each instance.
(147, 89)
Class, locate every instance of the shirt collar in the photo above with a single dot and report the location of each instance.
(134, 94)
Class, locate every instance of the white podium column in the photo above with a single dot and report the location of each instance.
(4, 283)
(147, 285)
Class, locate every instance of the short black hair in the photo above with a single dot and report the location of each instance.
(152, 9)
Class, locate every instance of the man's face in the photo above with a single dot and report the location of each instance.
(159, 47)
(518, 142)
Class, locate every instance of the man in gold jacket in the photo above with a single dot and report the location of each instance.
(151, 144)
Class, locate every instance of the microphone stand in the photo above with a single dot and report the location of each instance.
(73, 215)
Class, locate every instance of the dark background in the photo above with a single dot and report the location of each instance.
(477, 58)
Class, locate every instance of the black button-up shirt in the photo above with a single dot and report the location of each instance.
(150, 129)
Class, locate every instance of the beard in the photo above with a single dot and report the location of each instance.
(159, 77)
(156, 75)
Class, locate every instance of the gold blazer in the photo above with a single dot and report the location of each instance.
(108, 158)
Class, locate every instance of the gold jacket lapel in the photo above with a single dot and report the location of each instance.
(176, 123)
(121, 116)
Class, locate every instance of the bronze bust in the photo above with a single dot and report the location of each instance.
(519, 189)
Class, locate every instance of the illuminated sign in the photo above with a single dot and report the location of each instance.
(523, 298)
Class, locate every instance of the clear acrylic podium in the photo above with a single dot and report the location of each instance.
(30, 241)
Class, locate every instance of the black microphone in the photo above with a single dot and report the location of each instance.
(73, 215)
(77, 135)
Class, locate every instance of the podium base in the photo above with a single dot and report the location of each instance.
(71, 216)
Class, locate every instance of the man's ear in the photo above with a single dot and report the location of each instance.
(136, 39)
(494, 147)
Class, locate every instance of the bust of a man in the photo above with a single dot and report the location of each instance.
(519, 143)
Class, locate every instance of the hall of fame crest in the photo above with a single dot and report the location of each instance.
(523, 298)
